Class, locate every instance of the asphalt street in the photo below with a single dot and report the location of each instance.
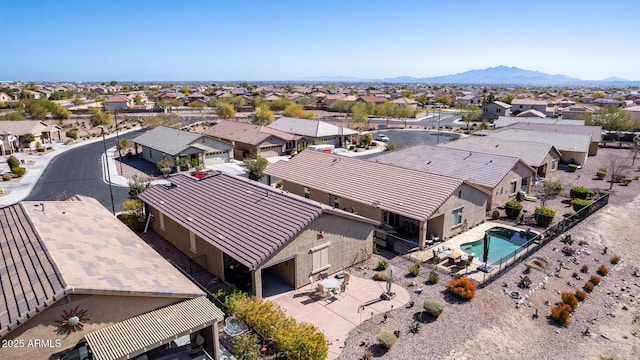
(406, 138)
(78, 171)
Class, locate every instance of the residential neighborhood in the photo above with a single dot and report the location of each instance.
(336, 181)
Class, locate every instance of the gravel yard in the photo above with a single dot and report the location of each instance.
(495, 326)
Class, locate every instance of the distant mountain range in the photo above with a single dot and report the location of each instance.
(499, 75)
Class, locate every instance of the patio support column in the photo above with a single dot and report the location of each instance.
(216, 341)
(422, 234)
(256, 282)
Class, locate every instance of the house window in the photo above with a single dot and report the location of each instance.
(460, 194)
(520, 106)
(554, 163)
(162, 221)
(150, 154)
(514, 187)
(334, 201)
(523, 185)
(457, 217)
(320, 258)
(307, 192)
(192, 242)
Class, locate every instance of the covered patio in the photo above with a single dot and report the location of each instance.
(336, 315)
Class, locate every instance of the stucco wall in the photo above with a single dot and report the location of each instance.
(102, 311)
(502, 192)
(350, 242)
(570, 156)
(473, 203)
(206, 254)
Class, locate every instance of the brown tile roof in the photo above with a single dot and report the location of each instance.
(21, 127)
(29, 279)
(135, 336)
(372, 99)
(247, 220)
(246, 133)
(476, 167)
(118, 98)
(412, 193)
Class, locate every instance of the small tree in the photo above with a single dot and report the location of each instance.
(132, 214)
(166, 165)
(297, 111)
(549, 191)
(72, 134)
(137, 185)
(98, 117)
(255, 167)
(367, 139)
(618, 167)
(470, 113)
(27, 139)
(13, 162)
(246, 347)
(225, 110)
(264, 115)
(579, 192)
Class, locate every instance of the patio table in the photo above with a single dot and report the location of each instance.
(453, 257)
(331, 283)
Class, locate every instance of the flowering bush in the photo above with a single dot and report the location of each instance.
(595, 279)
(602, 270)
(588, 287)
(462, 288)
(615, 259)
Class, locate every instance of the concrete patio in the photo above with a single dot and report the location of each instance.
(336, 316)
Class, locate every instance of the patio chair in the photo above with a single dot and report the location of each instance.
(323, 275)
(346, 278)
(320, 290)
(313, 284)
(343, 289)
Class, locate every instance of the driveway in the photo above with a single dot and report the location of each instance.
(337, 316)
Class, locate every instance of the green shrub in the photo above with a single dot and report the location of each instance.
(462, 288)
(602, 270)
(7, 177)
(246, 347)
(595, 279)
(40, 149)
(579, 192)
(513, 209)
(567, 239)
(414, 328)
(544, 216)
(570, 299)
(380, 276)
(561, 313)
(433, 307)
(18, 171)
(72, 134)
(581, 295)
(579, 204)
(383, 264)
(387, 339)
(414, 270)
(434, 277)
(588, 286)
(615, 259)
(13, 162)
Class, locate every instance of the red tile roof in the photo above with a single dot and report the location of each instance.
(247, 220)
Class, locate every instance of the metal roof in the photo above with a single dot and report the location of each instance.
(476, 167)
(167, 140)
(532, 153)
(312, 128)
(415, 194)
(247, 220)
(139, 334)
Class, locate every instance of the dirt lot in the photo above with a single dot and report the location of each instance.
(496, 326)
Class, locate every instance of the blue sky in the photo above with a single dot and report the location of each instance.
(286, 40)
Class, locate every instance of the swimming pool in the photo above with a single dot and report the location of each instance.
(504, 242)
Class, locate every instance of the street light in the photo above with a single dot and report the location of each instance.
(106, 160)
(118, 141)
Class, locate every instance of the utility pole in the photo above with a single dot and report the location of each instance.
(118, 141)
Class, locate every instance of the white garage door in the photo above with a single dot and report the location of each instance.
(215, 158)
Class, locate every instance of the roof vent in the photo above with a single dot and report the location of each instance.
(170, 185)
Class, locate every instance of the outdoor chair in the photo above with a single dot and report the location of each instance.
(320, 290)
(346, 278)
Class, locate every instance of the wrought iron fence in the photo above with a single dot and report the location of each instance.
(546, 236)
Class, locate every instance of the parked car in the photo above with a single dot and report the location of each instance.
(199, 174)
(381, 137)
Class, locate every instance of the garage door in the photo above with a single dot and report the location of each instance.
(216, 158)
(270, 151)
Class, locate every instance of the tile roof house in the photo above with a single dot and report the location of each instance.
(255, 140)
(495, 109)
(594, 131)
(520, 105)
(412, 203)
(369, 99)
(574, 148)
(503, 121)
(315, 131)
(117, 102)
(253, 235)
(12, 134)
(164, 142)
(531, 113)
(502, 176)
(540, 156)
(63, 256)
(404, 102)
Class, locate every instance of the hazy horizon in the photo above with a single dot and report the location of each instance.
(147, 41)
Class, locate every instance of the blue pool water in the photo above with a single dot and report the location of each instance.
(504, 242)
